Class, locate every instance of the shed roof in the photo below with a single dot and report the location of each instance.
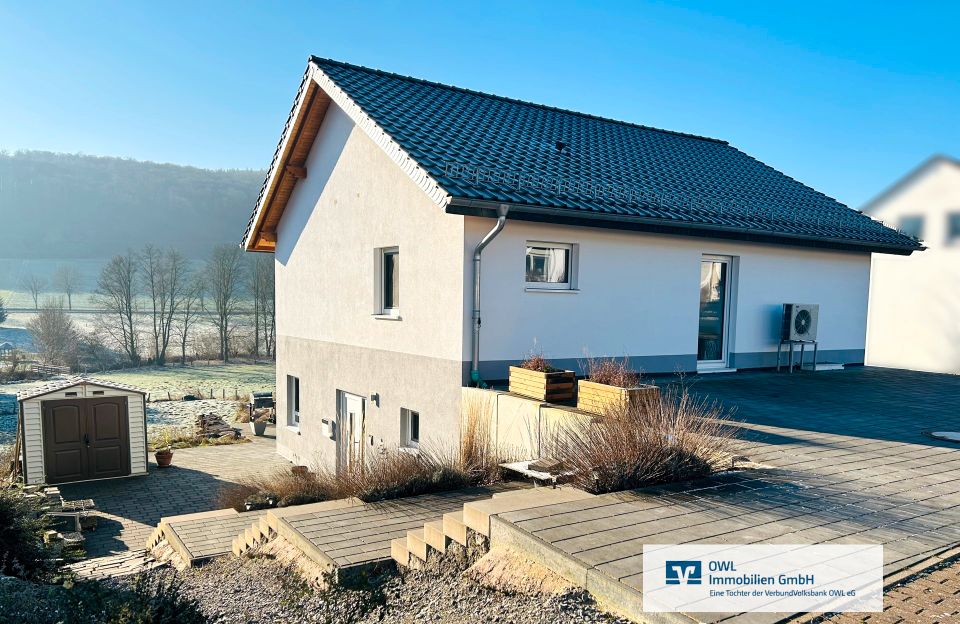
(472, 151)
(78, 380)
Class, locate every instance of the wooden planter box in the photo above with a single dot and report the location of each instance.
(548, 387)
(597, 398)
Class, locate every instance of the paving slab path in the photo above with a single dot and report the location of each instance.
(851, 463)
(130, 508)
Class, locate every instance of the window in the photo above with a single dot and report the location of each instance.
(293, 401)
(551, 266)
(388, 281)
(409, 428)
(953, 227)
(912, 226)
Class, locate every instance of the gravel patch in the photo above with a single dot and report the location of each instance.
(260, 590)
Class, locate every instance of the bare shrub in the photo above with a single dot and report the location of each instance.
(612, 372)
(673, 437)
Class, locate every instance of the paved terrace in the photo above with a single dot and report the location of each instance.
(851, 464)
(131, 508)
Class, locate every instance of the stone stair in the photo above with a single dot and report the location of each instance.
(272, 524)
(437, 535)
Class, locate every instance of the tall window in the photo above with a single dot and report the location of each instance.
(953, 228)
(388, 281)
(912, 226)
(409, 428)
(550, 265)
(293, 401)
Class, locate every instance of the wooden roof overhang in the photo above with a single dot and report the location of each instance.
(289, 165)
(317, 91)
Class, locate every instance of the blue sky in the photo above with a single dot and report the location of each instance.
(843, 96)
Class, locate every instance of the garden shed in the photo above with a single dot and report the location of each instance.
(81, 429)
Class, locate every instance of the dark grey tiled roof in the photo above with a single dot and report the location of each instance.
(484, 147)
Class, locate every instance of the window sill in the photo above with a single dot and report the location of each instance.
(388, 317)
(565, 291)
(409, 450)
(293, 429)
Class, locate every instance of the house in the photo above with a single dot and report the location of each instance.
(914, 319)
(387, 193)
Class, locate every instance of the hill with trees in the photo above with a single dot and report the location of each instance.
(71, 206)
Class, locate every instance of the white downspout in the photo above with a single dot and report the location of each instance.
(475, 361)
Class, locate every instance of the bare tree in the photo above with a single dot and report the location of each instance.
(117, 295)
(261, 291)
(188, 313)
(66, 279)
(35, 285)
(164, 280)
(54, 334)
(267, 303)
(224, 279)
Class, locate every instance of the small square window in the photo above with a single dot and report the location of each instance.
(550, 265)
(293, 401)
(953, 227)
(388, 281)
(912, 226)
(409, 428)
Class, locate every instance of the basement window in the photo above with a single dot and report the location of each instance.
(293, 401)
(409, 428)
(387, 280)
(551, 266)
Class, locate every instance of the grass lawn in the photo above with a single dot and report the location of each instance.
(179, 379)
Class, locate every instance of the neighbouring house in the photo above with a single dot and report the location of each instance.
(914, 319)
(82, 429)
(596, 237)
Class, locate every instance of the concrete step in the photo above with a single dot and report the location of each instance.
(435, 537)
(417, 544)
(399, 552)
(476, 515)
(454, 528)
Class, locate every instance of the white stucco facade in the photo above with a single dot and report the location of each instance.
(638, 296)
(914, 317)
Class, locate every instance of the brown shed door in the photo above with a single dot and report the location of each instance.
(86, 439)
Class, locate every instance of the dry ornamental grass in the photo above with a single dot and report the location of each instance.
(665, 439)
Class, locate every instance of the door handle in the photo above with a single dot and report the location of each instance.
(86, 439)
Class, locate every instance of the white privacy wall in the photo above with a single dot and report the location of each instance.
(915, 300)
(639, 294)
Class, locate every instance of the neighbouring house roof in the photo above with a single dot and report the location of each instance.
(471, 151)
(937, 159)
(63, 384)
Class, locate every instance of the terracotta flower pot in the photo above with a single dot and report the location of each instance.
(164, 458)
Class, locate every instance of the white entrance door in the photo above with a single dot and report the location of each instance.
(350, 433)
(712, 347)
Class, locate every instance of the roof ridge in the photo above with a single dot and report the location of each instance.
(319, 59)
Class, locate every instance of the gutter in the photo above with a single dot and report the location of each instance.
(564, 216)
(502, 210)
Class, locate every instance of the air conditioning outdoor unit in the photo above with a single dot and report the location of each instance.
(799, 321)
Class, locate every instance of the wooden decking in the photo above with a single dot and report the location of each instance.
(202, 536)
(359, 536)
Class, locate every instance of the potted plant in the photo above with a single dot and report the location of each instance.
(537, 379)
(610, 386)
(163, 448)
(259, 425)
